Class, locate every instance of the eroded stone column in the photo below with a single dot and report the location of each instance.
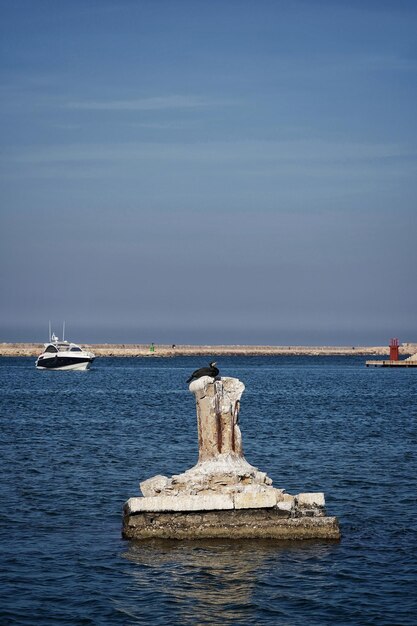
(217, 403)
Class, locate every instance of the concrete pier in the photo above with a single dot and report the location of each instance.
(223, 496)
(403, 363)
(410, 362)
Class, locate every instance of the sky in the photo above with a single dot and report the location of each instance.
(208, 172)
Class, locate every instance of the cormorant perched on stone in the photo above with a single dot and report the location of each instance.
(211, 371)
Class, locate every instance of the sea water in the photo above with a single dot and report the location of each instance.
(74, 446)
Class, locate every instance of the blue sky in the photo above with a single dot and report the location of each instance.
(208, 172)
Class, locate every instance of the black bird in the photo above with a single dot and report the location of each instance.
(211, 370)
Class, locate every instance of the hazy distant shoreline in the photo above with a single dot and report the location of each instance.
(140, 350)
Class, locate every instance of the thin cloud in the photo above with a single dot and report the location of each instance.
(158, 103)
(243, 151)
(176, 125)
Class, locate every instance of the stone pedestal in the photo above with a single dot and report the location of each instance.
(223, 495)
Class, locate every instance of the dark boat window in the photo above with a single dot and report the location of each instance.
(51, 349)
(75, 349)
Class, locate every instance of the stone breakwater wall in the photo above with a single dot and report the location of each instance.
(140, 350)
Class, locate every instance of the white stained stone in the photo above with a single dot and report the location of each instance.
(221, 464)
(310, 499)
(231, 390)
(247, 500)
(152, 486)
(286, 497)
(200, 384)
(178, 503)
(285, 505)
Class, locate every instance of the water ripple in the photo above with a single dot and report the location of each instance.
(74, 448)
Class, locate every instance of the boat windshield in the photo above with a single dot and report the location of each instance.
(62, 347)
(51, 349)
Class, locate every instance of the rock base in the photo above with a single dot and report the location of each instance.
(228, 524)
(223, 496)
(265, 515)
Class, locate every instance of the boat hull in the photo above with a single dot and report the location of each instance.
(64, 363)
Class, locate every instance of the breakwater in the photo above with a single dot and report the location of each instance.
(140, 350)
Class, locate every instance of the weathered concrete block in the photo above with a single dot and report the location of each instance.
(153, 486)
(309, 500)
(285, 505)
(236, 524)
(178, 503)
(248, 500)
(286, 497)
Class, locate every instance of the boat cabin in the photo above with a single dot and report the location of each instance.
(62, 347)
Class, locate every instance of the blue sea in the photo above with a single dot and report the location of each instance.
(75, 445)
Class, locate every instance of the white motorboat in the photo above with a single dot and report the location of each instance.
(63, 355)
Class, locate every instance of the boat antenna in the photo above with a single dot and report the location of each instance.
(63, 331)
(49, 331)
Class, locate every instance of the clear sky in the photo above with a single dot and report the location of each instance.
(209, 171)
